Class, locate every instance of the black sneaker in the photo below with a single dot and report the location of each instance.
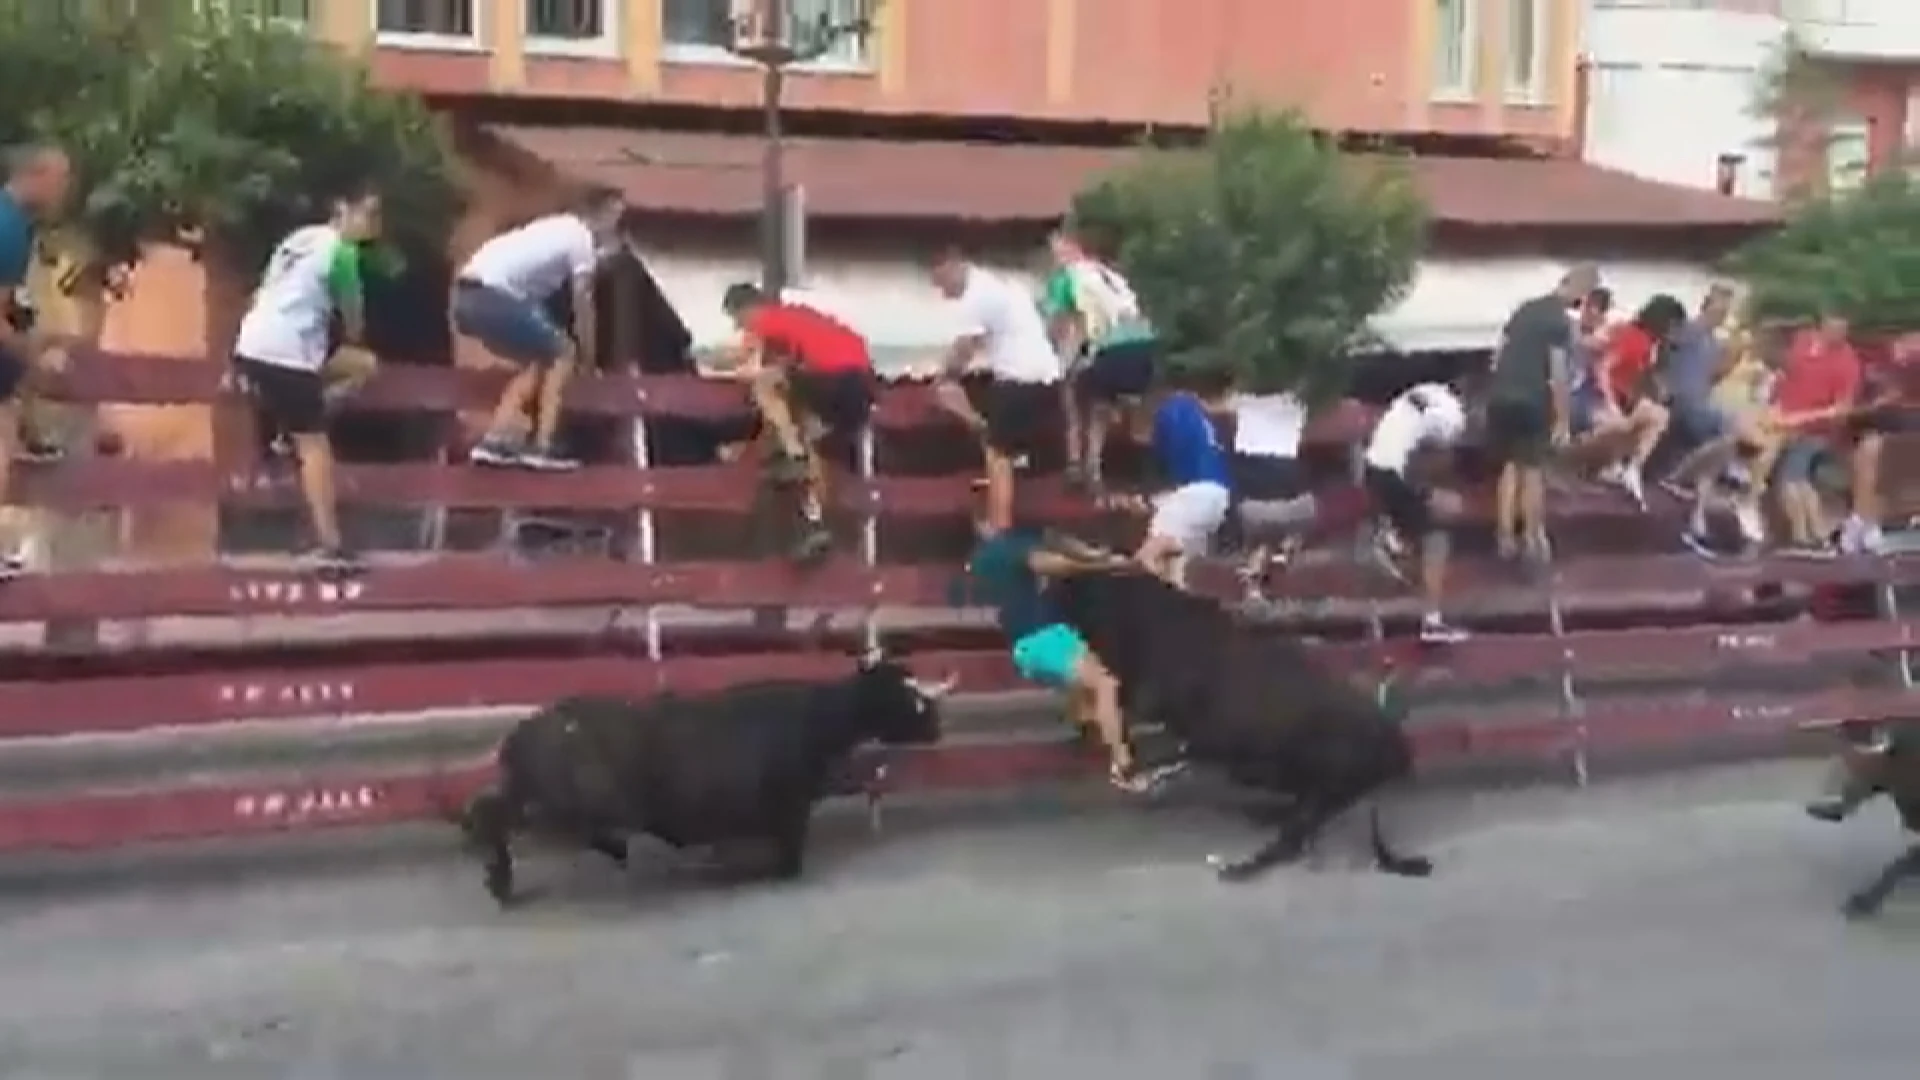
(497, 452)
(546, 461)
(815, 543)
(783, 468)
(333, 564)
(40, 452)
(12, 566)
(1699, 544)
(1144, 779)
(1436, 631)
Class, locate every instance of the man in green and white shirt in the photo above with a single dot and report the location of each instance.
(1097, 326)
(284, 352)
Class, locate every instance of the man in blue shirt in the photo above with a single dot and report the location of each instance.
(38, 178)
(1008, 572)
(1186, 449)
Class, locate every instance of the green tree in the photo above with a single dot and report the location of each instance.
(1855, 254)
(1263, 253)
(212, 127)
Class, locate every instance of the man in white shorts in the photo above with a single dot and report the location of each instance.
(1019, 404)
(281, 352)
(1428, 417)
(499, 300)
(1269, 485)
(1187, 452)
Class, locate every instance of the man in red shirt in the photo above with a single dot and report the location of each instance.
(1818, 390)
(800, 359)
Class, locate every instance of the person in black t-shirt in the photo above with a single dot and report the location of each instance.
(1528, 408)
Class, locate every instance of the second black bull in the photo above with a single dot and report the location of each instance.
(1256, 707)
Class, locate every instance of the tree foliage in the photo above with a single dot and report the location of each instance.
(210, 126)
(1855, 254)
(1263, 253)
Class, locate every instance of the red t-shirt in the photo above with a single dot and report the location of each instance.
(815, 340)
(1629, 355)
(1817, 376)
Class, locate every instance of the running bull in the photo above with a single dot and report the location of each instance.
(743, 765)
(1256, 707)
(1881, 759)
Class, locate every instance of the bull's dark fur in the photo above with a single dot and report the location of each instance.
(1256, 707)
(1890, 768)
(741, 765)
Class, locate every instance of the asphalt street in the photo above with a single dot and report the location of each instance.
(1677, 927)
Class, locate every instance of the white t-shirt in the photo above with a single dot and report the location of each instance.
(1429, 414)
(286, 322)
(1017, 348)
(537, 259)
(1270, 425)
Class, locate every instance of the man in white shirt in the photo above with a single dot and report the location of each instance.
(1019, 404)
(1268, 481)
(499, 300)
(1424, 418)
(281, 352)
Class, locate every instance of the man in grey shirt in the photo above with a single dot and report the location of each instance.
(1689, 368)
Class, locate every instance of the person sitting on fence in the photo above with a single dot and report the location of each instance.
(1816, 394)
(1423, 420)
(1020, 399)
(38, 179)
(1884, 411)
(1614, 416)
(281, 353)
(802, 360)
(1193, 467)
(1092, 312)
(499, 300)
(1008, 571)
(1268, 482)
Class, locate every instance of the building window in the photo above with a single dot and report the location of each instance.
(704, 29)
(1453, 44)
(1849, 153)
(1526, 48)
(438, 20)
(572, 25)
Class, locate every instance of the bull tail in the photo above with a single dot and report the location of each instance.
(1385, 858)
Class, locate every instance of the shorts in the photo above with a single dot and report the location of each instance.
(508, 327)
(841, 400)
(13, 372)
(1022, 417)
(292, 401)
(1797, 460)
(1401, 501)
(1049, 655)
(1118, 371)
(1190, 515)
(1259, 478)
(1518, 432)
(1588, 405)
(1698, 422)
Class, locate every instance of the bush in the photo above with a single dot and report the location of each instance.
(1263, 253)
(1855, 254)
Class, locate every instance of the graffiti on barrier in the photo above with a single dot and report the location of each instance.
(305, 804)
(269, 692)
(294, 592)
(1746, 641)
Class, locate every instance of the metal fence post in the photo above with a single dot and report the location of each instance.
(649, 552)
(870, 533)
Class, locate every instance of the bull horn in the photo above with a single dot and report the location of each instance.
(936, 691)
(871, 657)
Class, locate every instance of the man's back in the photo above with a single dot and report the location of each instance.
(1523, 367)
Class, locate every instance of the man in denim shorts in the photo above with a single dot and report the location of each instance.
(499, 301)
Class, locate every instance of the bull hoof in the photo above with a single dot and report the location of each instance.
(1828, 810)
(500, 887)
(1414, 866)
(1235, 872)
(1860, 906)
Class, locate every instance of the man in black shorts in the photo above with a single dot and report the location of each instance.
(1018, 407)
(1529, 414)
(1105, 340)
(801, 359)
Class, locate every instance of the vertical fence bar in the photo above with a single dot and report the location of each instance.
(870, 534)
(649, 544)
(1889, 605)
(1572, 708)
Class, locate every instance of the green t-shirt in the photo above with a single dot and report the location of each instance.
(1062, 297)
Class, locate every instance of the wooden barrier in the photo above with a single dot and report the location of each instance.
(1544, 683)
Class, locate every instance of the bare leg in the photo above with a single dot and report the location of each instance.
(10, 558)
(1533, 510)
(1868, 900)
(553, 396)
(1102, 693)
(1077, 449)
(1100, 417)
(999, 488)
(510, 415)
(1650, 422)
(769, 389)
(1507, 509)
(315, 449)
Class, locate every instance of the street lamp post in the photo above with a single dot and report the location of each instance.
(777, 34)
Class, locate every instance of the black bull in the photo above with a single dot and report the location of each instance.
(1256, 707)
(744, 765)
(1888, 764)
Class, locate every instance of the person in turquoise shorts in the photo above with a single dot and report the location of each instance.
(1009, 571)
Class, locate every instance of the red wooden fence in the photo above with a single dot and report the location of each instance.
(302, 721)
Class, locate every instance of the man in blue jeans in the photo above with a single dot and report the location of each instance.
(1008, 572)
(499, 301)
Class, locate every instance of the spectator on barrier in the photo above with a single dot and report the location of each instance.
(1273, 502)
(1424, 421)
(1884, 411)
(498, 301)
(1097, 324)
(281, 353)
(812, 379)
(1817, 392)
(1192, 468)
(1529, 409)
(38, 179)
(1614, 415)
(1018, 402)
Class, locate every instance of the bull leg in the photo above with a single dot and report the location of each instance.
(608, 842)
(1389, 861)
(1297, 829)
(789, 837)
(1867, 902)
(492, 817)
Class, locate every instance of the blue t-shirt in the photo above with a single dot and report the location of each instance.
(1688, 363)
(1185, 443)
(16, 258)
(1002, 578)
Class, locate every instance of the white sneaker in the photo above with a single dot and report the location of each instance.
(1873, 541)
(1634, 485)
(1752, 527)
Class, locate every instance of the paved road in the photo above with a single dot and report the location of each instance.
(1659, 929)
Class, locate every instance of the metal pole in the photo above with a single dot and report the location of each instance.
(773, 262)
